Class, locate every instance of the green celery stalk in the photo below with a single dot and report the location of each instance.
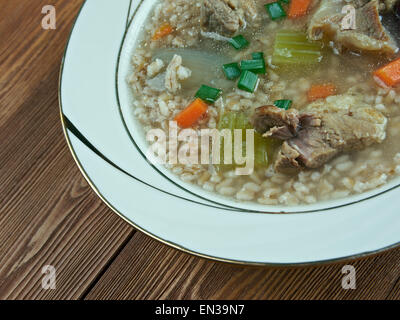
(292, 47)
(264, 148)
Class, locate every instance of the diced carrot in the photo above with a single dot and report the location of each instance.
(298, 8)
(389, 74)
(192, 114)
(321, 91)
(163, 31)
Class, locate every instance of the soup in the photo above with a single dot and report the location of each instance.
(313, 87)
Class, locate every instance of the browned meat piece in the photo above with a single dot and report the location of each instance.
(286, 161)
(320, 133)
(369, 35)
(227, 16)
(220, 16)
(280, 123)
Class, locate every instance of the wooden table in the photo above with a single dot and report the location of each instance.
(50, 216)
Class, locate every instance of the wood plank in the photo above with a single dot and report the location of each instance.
(395, 292)
(146, 269)
(48, 213)
(27, 52)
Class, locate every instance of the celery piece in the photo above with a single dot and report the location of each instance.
(292, 47)
(260, 150)
(226, 121)
(264, 148)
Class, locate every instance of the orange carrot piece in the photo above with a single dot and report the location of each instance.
(298, 8)
(162, 31)
(321, 91)
(389, 74)
(191, 114)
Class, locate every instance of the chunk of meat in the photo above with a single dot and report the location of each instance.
(176, 73)
(280, 123)
(369, 35)
(322, 131)
(227, 16)
(250, 9)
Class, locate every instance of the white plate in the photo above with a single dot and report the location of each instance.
(108, 148)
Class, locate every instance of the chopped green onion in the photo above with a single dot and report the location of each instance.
(232, 70)
(283, 104)
(258, 55)
(292, 47)
(208, 94)
(248, 81)
(275, 10)
(239, 42)
(256, 66)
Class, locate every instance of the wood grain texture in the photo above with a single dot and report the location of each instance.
(146, 269)
(49, 215)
